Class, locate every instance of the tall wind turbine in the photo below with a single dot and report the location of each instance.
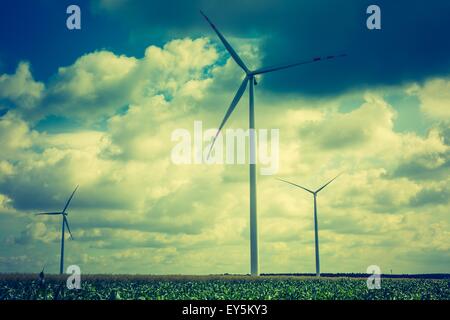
(250, 79)
(65, 223)
(316, 226)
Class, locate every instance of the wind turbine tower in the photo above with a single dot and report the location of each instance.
(251, 81)
(65, 223)
(316, 225)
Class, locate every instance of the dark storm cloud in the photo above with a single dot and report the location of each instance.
(418, 171)
(412, 44)
(431, 197)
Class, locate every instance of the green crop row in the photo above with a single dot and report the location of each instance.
(217, 289)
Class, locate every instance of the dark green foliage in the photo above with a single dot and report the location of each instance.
(220, 287)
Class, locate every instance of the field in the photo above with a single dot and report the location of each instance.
(124, 287)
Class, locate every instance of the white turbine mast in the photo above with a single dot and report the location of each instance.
(316, 224)
(65, 223)
(250, 80)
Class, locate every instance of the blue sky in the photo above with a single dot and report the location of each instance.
(97, 106)
(411, 44)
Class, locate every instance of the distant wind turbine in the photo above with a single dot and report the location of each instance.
(250, 79)
(316, 226)
(65, 223)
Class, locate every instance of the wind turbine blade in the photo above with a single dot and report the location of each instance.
(230, 110)
(229, 48)
(296, 185)
(70, 199)
(48, 213)
(286, 66)
(68, 228)
(318, 190)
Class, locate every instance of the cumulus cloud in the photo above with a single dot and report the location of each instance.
(15, 136)
(101, 83)
(36, 233)
(94, 85)
(21, 88)
(136, 211)
(434, 96)
(365, 126)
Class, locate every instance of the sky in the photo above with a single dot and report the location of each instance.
(97, 107)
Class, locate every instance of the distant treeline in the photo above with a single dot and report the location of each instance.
(364, 275)
(226, 276)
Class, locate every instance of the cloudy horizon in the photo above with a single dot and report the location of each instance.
(101, 116)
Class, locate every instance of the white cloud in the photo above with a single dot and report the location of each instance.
(15, 136)
(99, 84)
(21, 88)
(134, 207)
(434, 96)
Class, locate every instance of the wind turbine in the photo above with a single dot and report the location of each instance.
(316, 226)
(251, 81)
(65, 223)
